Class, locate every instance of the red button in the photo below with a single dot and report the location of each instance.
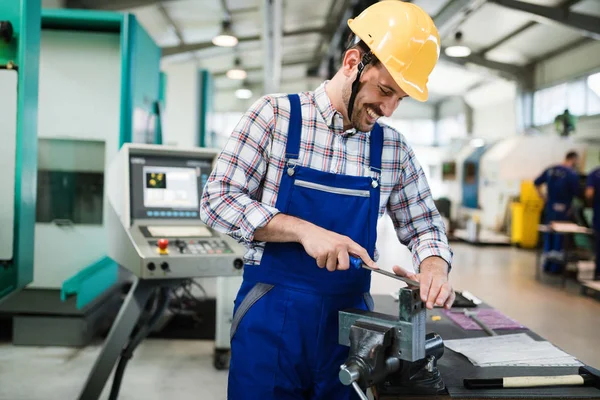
(163, 244)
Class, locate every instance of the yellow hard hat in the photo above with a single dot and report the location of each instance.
(404, 39)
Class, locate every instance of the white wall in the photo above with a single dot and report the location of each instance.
(412, 109)
(182, 105)
(494, 110)
(571, 64)
(453, 106)
(79, 98)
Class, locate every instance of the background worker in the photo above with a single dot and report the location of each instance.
(592, 195)
(562, 186)
(302, 182)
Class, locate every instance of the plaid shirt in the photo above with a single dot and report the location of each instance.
(241, 192)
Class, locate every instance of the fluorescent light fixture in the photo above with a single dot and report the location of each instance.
(458, 51)
(477, 142)
(243, 93)
(237, 74)
(226, 38)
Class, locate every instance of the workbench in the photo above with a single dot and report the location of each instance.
(454, 367)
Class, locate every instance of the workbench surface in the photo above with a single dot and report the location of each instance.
(454, 367)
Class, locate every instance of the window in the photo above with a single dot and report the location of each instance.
(576, 100)
(470, 173)
(449, 171)
(580, 97)
(70, 183)
(593, 94)
(548, 103)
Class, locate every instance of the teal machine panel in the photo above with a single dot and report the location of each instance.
(19, 63)
(206, 133)
(107, 70)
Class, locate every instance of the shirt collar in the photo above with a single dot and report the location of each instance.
(324, 105)
(330, 115)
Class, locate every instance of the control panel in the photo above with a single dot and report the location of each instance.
(157, 232)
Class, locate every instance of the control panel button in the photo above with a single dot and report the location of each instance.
(151, 266)
(164, 266)
(163, 246)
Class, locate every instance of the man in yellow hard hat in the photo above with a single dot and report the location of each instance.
(302, 182)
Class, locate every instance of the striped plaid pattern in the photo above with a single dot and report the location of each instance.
(241, 192)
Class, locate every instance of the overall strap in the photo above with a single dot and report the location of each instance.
(376, 147)
(292, 149)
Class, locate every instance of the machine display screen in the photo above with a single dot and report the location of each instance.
(167, 187)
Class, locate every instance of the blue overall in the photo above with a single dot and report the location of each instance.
(593, 180)
(562, 186)
(285, 331)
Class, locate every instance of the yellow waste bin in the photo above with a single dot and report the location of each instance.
(526, 216)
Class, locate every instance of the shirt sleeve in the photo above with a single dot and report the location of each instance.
(230, 198)
(541, 179)
(591, 180)
(417, 222)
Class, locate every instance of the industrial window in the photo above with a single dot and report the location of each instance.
(593, 94)
(470, 173)
(449, 171)
(70, 184)
(581, 97)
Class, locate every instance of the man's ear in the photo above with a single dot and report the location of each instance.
(351, 59)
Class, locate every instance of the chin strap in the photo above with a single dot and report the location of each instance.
(366, 59)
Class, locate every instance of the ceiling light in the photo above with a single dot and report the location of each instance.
(458, 49)
(243, 93)
(226, 38)
(237, 72)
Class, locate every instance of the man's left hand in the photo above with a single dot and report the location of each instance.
(433, 278)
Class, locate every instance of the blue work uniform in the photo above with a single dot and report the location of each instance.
(593, 180)
(284, 341)
(562, 186)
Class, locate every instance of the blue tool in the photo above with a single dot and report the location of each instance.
(357, 263)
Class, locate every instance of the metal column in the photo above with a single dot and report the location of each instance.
(272, 44)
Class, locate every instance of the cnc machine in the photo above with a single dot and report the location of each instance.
(155, 232)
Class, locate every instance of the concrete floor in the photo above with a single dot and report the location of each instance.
(177, 369)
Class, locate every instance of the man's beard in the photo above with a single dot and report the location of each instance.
(357, 112)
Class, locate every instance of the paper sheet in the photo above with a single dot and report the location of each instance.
(511, 350)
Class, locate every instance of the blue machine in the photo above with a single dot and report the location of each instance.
(100, 87)
(19, 61)
(470, 177)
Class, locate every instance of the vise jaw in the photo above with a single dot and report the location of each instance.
(392, 351)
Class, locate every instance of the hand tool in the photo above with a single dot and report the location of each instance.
(473, 316)
(587, 376)
(357, 263)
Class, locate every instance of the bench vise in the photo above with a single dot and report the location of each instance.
(391, 353)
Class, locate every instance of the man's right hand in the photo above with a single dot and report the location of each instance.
(330, 249)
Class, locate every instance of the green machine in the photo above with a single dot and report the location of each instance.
(19, 59)
(99, 87)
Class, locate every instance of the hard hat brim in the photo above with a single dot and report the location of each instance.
(418, 93)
